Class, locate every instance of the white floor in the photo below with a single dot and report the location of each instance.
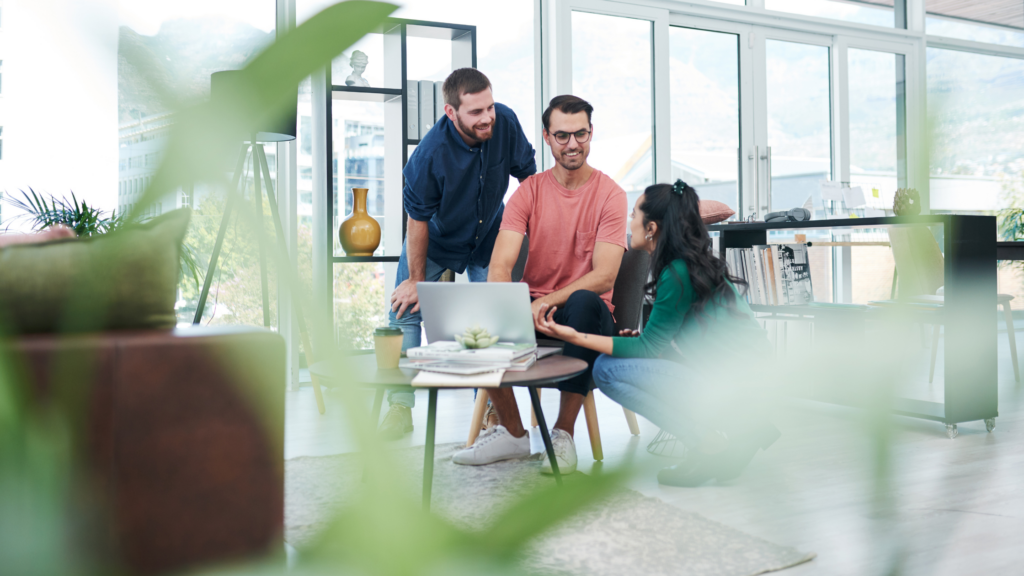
(948, 507)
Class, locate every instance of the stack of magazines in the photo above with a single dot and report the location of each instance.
(451, 358)
(776, 274)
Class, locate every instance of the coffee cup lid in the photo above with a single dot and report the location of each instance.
(387, 331)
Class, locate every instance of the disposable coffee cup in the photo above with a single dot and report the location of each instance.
(387, 346)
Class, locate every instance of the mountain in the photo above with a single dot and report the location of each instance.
(160, 72)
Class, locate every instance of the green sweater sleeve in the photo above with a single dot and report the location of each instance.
(670, 309)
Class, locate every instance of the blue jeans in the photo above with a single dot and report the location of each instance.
(410, 321)
(667, 393)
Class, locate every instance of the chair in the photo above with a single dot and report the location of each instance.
(920, 267)
(627, 299)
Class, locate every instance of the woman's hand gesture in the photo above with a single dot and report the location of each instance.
(545, 324)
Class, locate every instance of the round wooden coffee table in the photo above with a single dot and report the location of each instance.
(361, 370)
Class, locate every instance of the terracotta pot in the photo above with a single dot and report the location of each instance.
(359, 233)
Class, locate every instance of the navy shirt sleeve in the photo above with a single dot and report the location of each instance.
(422, 192)
(523, 161)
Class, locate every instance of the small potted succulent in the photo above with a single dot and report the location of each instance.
(476, 337)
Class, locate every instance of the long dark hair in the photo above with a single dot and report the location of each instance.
(683, 236)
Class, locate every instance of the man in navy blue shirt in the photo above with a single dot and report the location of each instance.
(455, 184)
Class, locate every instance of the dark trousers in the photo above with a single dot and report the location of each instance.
(585, 312)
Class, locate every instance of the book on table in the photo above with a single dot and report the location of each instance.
(448, 364)
(454, 352)
(429, 379)
(466, 368)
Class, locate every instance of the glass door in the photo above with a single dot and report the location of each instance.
(751, 114)
(706, 89)
(793, 119)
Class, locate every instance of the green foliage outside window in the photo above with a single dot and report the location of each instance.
(236, 297)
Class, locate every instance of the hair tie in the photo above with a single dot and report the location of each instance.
(679, 187)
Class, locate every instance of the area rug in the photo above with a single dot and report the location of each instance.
(625, 533)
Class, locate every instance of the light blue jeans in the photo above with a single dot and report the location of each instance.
(410, 322)
(667, 393)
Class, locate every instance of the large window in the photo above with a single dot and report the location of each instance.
(876, 12)
(166, 54)
(799, 121)
(705, 89)
(877, 104)
(611, 69)
(991, 21)
(976, 116)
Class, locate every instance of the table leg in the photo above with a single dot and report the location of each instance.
(535, 399)
(378, 399)
(428, 450)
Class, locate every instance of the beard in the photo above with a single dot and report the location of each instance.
(573, 162)
(472, 132)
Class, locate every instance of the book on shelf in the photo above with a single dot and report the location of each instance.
(776, 274)
(438, 101)
(426, 103)
(412, 111)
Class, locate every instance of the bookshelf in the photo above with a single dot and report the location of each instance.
(969, 248)
(394, 34)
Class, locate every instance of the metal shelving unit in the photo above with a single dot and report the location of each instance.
(396, 33)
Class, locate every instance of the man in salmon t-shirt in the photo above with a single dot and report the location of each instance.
(575, 217)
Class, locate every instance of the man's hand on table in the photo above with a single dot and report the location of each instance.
(405, 298)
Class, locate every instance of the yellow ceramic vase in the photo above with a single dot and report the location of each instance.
(360, 232)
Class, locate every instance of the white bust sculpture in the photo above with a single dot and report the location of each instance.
(358, 63)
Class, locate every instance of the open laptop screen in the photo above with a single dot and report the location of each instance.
(503, 308)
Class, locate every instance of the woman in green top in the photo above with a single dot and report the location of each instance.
(691, 370)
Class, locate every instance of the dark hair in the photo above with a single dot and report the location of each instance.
(567, 104)
(683, 236)
(463, 81)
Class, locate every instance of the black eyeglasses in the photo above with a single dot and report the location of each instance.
(581, 136)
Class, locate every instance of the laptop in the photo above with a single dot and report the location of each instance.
(502, 308)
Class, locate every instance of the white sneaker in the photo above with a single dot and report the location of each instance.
(565, 453)
(492, 446)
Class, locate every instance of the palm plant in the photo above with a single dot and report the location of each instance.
(45, 210)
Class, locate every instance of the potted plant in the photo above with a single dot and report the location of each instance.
(45, 210)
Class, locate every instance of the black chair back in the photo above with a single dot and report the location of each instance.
(628, 295)
(520, 267)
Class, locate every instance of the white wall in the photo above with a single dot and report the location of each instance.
(60, 98)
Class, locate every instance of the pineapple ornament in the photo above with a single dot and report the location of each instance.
(476, 337)
(907, 202)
